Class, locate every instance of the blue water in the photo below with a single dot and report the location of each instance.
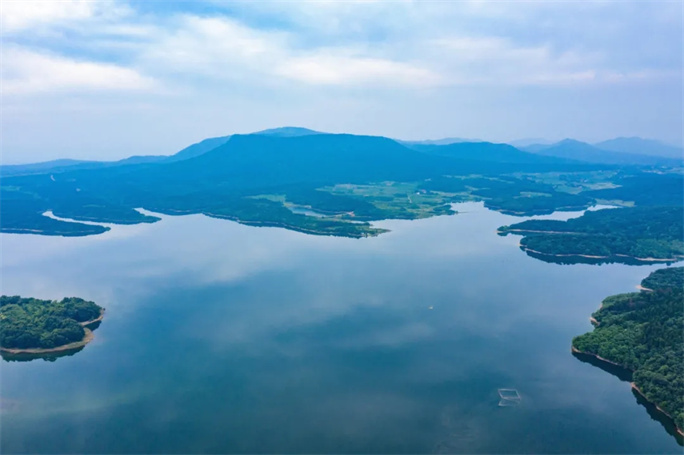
(223, 338)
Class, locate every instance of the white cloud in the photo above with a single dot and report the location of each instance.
(25, 15)
(211, 46)
(26, 71)
(500, 62)
(357, 44)
(329, 69)
(225, 49)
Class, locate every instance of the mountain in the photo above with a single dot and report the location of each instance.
(246, 164)
(581, 151)
(207, 145)
(637, 145)
(526, 142)
(7, 170)
(199, 148)
(64, 165)
(139, 159)
(191, 151)
(444, 141)
(266, 160)
(486, 152)
(288, 131)
(255, 160)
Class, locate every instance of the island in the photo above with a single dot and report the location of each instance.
(43, 327)
(632, 235)
(642, 332)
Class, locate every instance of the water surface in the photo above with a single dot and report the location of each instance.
(223, 338)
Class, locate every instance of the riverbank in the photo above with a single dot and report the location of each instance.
(633, 385)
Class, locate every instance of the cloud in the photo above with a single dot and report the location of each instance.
(26, 71)
(500, 62)
(331, 44)
(27, 15)
(226, 49)
(324, 68)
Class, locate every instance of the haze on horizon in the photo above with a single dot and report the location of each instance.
(109, 79)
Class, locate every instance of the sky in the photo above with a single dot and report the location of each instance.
(108, 79)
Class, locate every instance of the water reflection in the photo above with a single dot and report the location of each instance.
(619, 372)
(658, 416)
(225, 338)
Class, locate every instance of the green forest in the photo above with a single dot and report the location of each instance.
(643, 331)
(618, 234)
(27, 323)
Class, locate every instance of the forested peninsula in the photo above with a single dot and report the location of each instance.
(34, 326)
(642, 332)
(630, 234)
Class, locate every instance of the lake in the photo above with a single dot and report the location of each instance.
(223, 338)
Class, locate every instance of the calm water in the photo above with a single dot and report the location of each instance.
(222, 338)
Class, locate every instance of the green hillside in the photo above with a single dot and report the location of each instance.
(642, 331)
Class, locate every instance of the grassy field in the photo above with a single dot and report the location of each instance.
(400, 199)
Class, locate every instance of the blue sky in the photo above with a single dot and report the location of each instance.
(109, 79)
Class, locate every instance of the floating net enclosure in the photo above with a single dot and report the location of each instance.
(509, 397)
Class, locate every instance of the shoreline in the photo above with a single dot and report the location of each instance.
(294, 228)
(638, 390)
(93, 321)
(65, 347)
(633, 385)
(558, 255)
(87, 338)
(596, 356)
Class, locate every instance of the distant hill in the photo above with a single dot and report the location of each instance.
(487, 152)
(246, 162)
(288, 131)
(265, 160)
(581, 151)
(525, 142)
(64, 165)
(640, 146)
(191, 151)
(443, 141)
(140, 159)
(7, 170)
(199, 148)
(207, 145)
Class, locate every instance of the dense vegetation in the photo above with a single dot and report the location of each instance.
(32, 323)
(645, 188)
(25, 216)
(633, 232)
(644, 332)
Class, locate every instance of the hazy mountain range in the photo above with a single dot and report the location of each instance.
(618, 151)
